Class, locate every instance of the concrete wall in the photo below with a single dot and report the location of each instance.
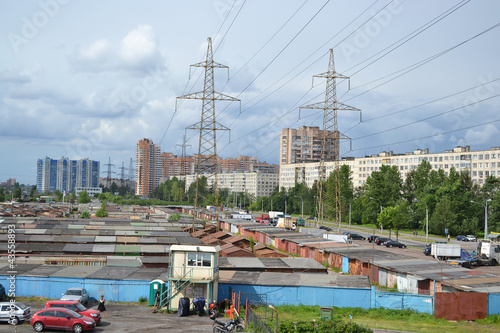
(113, 290)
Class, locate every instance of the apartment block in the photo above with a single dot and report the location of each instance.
(257, 184)
(148, 167)
(65, 174)
(303, 145)
(480, 165)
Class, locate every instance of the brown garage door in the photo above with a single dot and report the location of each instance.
(461, 306)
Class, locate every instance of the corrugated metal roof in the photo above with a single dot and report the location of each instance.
(127, 249)
(104, 248)
(115, 273)
(77, 271)
(153, 249)
(105, 239)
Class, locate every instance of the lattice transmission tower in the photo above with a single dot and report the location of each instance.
(207, 150)
(183, 157)
(331, 136)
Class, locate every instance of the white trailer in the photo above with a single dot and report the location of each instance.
(444, 251)
(273, 214)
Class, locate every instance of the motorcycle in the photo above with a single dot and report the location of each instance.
(213, 309)
(230, 326)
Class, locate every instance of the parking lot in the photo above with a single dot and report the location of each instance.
(131, 318)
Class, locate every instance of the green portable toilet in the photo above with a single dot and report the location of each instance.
(153, 288)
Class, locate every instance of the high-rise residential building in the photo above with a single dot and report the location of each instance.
(65, 174)
(148, 167)
(303, 145)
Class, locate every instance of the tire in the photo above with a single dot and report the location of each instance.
(404, 246)
(77, 328)
(239, 328)
(14, 321)
(38, 326)
(390, 245)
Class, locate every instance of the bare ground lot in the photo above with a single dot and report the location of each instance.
(131, 318)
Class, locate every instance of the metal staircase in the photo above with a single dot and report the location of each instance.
(177, 284)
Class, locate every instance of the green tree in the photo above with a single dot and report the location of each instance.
(101, 212)
(442, 218)
(2, 194)
(84, 197)
(85, 215)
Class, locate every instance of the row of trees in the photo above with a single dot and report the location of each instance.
(451, 200)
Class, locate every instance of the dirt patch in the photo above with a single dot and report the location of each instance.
(133, 318)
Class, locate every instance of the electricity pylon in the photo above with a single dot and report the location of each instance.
(331, 135)
(183, 157)
(208, 127)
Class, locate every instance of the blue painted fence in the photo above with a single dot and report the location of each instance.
(132, 290)
(113, 290)
(333, 297)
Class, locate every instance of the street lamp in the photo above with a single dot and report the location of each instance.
(349, 210)
(485, 216)
(426, 222)
(380, 202)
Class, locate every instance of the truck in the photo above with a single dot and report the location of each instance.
(286, 223)
(273, 214)
(444, 251)
(487, 254)
(240, 216)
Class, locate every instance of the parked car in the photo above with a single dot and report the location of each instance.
(393, 243)
(311, 218)
(471, 238)
(61, 319)
(77, 307)
(461, 238)
(381, 240)
(2, 292)
(20, 314)
(76, 294)
(355, 236)
(427, 251)
(371, 238)
(325, 228)
(301, 222)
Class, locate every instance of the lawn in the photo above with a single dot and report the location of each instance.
(399, 320)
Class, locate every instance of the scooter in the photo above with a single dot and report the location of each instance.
(213, 309)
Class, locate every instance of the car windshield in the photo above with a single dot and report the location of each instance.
(80, 307)
(74, 314)
(74, 292)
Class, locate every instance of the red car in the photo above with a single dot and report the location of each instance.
(62, 319)
(77, 307)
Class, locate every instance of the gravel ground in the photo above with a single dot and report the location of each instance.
(132, 318)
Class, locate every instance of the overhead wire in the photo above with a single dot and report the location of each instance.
(427, 118)
(412, 67)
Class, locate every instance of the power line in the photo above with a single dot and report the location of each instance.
(427, 118)
(430, 136)
(418, 64)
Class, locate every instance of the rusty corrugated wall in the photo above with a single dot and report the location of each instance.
(461, 306)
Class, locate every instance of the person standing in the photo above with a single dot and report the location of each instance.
(101, 307)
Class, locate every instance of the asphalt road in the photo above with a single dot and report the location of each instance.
(131, 318)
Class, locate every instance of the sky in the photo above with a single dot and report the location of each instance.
(89, 79)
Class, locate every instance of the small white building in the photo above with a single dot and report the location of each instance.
(194, 273)
(91, 191)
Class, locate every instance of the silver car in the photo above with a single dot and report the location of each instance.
(76, 294)
(21, 312)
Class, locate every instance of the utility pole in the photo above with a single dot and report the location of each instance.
(208, 127)
(122, 174)
(331, 134)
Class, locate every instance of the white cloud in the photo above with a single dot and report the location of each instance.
(137, 51)
(479, 137)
